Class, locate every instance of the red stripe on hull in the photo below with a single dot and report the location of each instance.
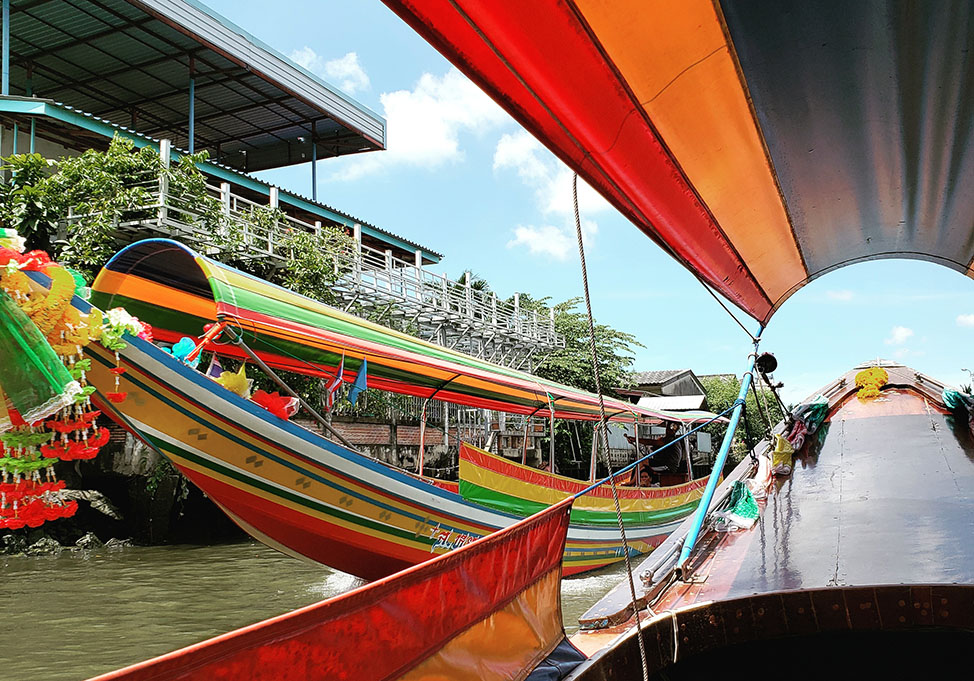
(327, 543)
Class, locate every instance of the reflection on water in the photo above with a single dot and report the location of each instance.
(85, 614)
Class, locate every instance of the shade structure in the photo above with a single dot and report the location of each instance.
(762, 144)
(488, 611)
(179, 291)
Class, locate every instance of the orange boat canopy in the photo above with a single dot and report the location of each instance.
(762, 144)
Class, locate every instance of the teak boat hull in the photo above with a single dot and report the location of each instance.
(868, 540)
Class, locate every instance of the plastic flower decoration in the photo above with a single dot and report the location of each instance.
(870, 382)
(237, 381)
(182, 349)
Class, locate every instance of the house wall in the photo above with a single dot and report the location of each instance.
(684, 385)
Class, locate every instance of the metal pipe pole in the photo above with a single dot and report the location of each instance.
(192, 105)
(33, 126)
(314, 161)
(708, 493)
(551, 448)
(635, 431)
(422, 437)
(595, 443)
(5, 79)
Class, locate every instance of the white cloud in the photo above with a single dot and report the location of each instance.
(550, 178)
(555, 242)
(346, 72)
(551, 181)
(965, 320)
(425, 125)
(899, 335)
(841, 296)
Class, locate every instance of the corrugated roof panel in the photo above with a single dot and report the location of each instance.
(673, 402)
(105, 75)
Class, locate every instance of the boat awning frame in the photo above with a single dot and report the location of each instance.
(137, 61)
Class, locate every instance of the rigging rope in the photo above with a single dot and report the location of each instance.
(723, 305)
(604, 431)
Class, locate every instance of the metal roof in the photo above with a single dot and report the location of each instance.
(657, 377)
(673, 402)
(129, 61)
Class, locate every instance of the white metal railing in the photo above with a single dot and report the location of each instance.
(368, 276)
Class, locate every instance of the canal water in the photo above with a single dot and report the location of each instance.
(72, 616)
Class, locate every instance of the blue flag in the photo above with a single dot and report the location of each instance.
(361, 382)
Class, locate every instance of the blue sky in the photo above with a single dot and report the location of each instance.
(462, 178)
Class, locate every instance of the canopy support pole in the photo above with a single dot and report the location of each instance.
(551, 440)
(5, 79)
(704, 506)
(192, 105)
(635, 430)
(422, 437)
(592, 466)
(524, 450)
(238, 340)
(422, 424)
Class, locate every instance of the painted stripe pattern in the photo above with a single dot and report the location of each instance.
(177, 291)
(308, 494)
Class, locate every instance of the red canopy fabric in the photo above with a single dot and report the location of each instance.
(761, 144)
(488, 610)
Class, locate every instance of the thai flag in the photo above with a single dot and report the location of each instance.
(334, 384)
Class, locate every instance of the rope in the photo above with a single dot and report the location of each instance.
(603, 428)
(726, 309)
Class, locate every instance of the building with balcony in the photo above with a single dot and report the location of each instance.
(177, 77)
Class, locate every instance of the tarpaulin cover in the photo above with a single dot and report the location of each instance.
(497, 482)
(178, 291)
(489, 611)
(762, 144)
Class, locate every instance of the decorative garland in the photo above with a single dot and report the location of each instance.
(870, 382)
(30, 494)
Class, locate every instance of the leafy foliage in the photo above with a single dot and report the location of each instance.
(572, 365)
(721, 394)
(105, 189)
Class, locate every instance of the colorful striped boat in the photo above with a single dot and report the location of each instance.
(499, 483)
(303, 494)
(179, 291)
(294, 489)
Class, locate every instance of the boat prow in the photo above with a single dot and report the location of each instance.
(864, 550)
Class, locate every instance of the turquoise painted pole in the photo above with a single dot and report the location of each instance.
(708, 493)
(314, 168)
(33, 126)
(5, 78)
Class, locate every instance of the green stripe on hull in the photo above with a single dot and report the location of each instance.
(511, 504)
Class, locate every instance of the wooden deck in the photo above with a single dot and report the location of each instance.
(872, 531)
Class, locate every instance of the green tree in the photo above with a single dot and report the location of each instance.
(721, 394)
(572, 364)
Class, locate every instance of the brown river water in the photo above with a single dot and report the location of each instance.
(72, 616)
